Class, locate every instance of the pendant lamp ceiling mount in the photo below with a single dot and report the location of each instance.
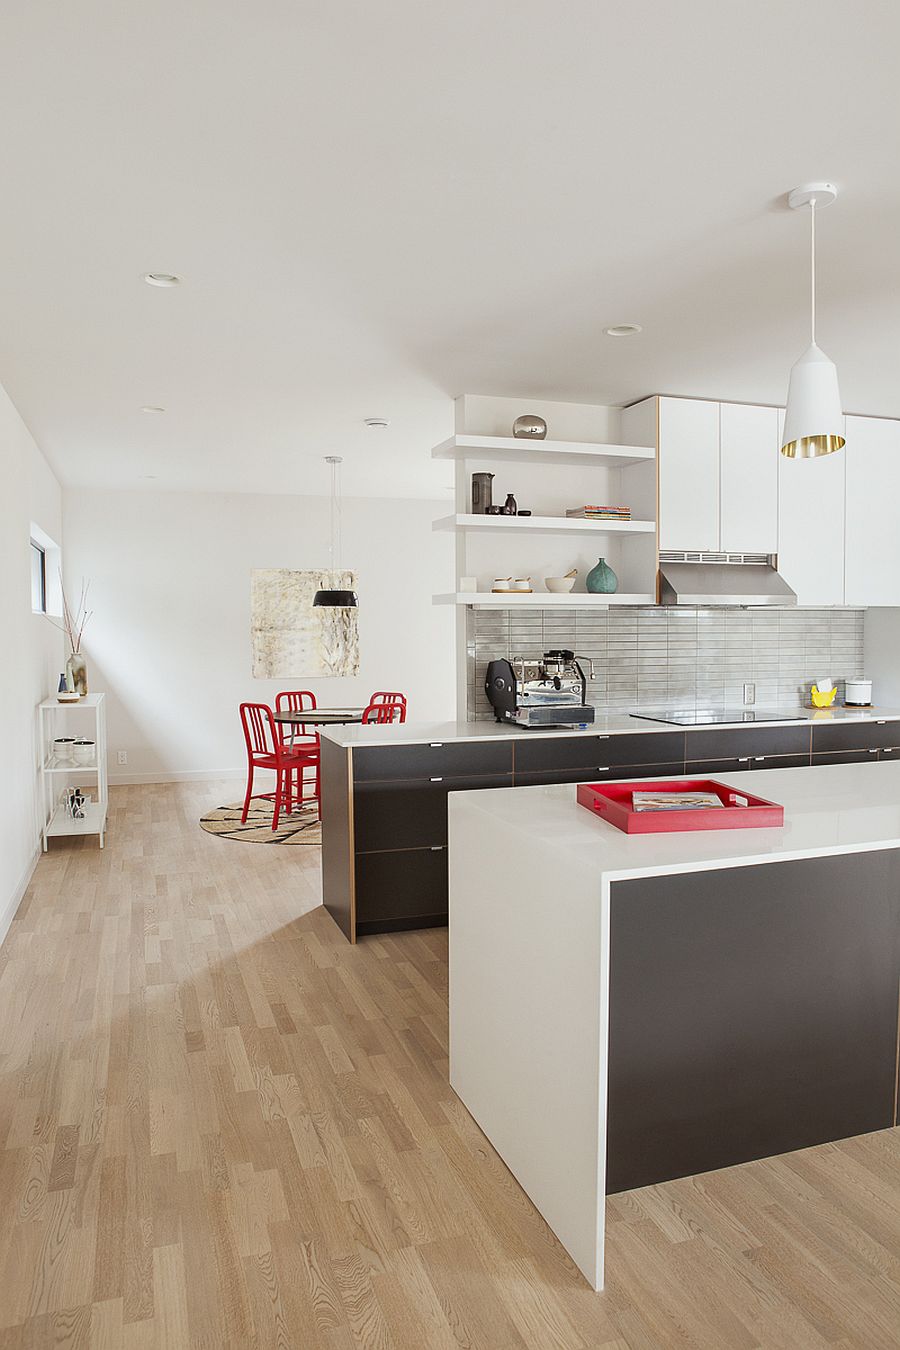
(822, 194)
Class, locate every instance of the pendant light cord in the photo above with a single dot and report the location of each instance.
(812, 267)
(335, 549)
(331, 515)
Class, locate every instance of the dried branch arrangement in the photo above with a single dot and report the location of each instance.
(73, 620)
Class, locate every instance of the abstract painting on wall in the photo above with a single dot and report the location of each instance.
(292, 638)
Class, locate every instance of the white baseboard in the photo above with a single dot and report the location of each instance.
(15, 900)
(186, 776)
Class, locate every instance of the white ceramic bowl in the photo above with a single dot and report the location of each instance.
(559, 585)
(83, 752)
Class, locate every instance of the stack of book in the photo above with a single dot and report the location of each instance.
(600, 513)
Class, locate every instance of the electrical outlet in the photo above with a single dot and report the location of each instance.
(122, 757)
(749, 693)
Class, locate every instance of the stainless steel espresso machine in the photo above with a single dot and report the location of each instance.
(546, 693)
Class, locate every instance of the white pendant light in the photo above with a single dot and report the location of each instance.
(813, 418)
(335, 599)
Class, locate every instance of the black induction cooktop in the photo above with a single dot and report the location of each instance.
(707, 717)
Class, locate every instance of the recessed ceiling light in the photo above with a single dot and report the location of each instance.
(377, 421)
(162, 279)
(151, 408)
(623, 330)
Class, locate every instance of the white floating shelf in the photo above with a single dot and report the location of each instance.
(94, 821)
(545, 524)
(543, 600)
(559, 452)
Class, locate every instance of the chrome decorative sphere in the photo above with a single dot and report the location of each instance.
(529, 427)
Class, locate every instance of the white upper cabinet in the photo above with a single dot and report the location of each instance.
(811, 510)
(688, 474)
(749, 479)
(872, 567)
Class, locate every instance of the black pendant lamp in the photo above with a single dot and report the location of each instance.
(335, 599)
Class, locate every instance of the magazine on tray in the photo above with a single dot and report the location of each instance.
(674, 801)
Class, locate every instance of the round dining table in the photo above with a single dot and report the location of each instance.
(324, 717)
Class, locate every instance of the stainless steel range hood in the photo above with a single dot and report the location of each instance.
(710, 579)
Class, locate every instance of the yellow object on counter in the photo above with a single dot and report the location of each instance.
(823, 700)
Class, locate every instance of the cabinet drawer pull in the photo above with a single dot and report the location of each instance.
(435, 745)
(873, 752)
(743, 759)
(759, 758)
(603, 736)
(436, 848)
(436, 780)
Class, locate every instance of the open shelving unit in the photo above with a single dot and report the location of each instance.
(560, 452)
(544, 599)
(545, 524)
(550, 477)
(58, 774)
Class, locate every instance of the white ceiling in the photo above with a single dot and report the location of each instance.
(378, 206)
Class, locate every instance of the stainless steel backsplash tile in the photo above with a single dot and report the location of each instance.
(647, 656)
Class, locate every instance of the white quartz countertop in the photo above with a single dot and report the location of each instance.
(829, 809)
(427, 733)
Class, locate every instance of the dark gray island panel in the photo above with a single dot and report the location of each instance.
(752, 1011)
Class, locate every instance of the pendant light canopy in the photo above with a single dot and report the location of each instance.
(335, 599)
(813, 418)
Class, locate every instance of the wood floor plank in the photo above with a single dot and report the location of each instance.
(224, 1128)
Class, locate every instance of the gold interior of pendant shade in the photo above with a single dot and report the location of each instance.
(810, 447)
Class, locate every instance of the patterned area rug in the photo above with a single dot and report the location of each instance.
(303, 827)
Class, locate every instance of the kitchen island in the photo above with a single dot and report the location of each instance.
(625, 1009)
(385, 787)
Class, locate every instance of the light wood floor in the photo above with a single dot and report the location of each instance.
(224, 1126)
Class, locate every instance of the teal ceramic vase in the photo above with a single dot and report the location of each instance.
(601, 580)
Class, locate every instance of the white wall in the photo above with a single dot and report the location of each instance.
(883, 656)
(33, 652)
(170, 638)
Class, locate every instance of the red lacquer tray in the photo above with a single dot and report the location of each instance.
(740, 810)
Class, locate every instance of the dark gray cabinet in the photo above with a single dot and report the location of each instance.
(843, 736)
(384, 807)
(555, 754)
(403, 890)
(400, 815)
(377, 763)
(596, 773)
(736, 742)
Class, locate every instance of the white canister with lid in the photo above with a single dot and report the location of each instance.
(858, 692)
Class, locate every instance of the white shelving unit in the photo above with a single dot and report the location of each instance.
(544, 600)
(550, 477)
(560, 452)
(545, 524)
(86, 718)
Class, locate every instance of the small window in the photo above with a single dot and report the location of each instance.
(38, 579)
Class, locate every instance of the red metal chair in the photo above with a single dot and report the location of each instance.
(266, 751)
(384, 712)
(382, 696)
(300, 736)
